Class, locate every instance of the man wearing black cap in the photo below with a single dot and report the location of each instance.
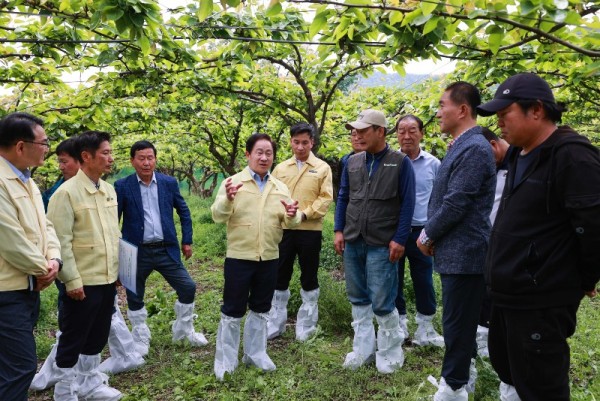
(545, 243)
(372, 223)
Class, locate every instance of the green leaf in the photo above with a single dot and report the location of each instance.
(395, 17)
(113, 13)
(206, 8)
(318, 23)
(274, 10)
(144, 44)
(421, 19)
(430, 25)
(495, 38)
(428, 7)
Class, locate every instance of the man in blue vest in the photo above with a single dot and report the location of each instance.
(372, 223)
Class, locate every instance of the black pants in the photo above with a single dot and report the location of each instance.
(248, 283)
(85, 324)
(306, 244)
(461, 299)
(529, 350)
(18, 360)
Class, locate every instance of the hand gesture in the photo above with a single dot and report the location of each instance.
(77, 294)
(231, 189)
(42, 282)
(290, 208)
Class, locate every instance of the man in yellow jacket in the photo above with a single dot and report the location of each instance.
(29, 250)
(84, 213)
(309, 181)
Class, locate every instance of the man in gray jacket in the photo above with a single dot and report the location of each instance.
(457, 231)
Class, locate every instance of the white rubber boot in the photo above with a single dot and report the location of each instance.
(278, 314)
(65, 388)
(426, 334)
(183, 327)
(48, 375)
(123, 354)
(140, 330)
(508, 393)
(482, 342)
(445, 393)
(470, 387)
(308, 315)
(228, 344)
(363, 345)
(389, 356)
(255, 342)
(92, 385)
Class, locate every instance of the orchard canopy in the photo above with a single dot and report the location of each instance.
(198, 77)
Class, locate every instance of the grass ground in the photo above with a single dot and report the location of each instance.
(305, 371)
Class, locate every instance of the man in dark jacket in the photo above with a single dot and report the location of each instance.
(545, 244)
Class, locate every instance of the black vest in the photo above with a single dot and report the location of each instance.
(374, 204)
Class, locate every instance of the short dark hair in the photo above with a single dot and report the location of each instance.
(462, 92)
(90, 141)
(411, 117)
(553, 111)
(141, 145)
(250, 142)
(301, 128)
(489, 134)
(67, 147)
(16, 127)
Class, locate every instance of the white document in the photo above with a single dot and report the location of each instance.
(128, 264)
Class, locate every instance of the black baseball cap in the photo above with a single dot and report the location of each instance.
(524, 86)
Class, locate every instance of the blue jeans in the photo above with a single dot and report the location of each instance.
(370, 276)
(421, 272)
(18, 360)
(150, 259)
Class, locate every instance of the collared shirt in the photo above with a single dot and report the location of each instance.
(261, 182)
(426, 167)
(300, 164)
(23, 175)
(152, 223)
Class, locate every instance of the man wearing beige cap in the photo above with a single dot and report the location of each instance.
(372, 223)
(545, 244)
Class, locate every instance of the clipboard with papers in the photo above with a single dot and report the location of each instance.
(128, 264)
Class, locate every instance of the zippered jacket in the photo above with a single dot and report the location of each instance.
(545, 243)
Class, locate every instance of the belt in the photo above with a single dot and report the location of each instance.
(416, 228)
(158, 244)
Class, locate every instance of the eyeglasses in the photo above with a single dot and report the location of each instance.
(43, 143)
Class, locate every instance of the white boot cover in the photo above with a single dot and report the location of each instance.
(482, 342)
(308, 315)
(91, 383)
(123, 354)
(404, 326)
(508, 393)
(445, 393)
(278, 314)
(363, 345)
(389, 356)
(48, 375)
(183, 327)
(140, 330)
(65, 388)
(255, 342)
(426, 334)
(470, 387)
(228, 343)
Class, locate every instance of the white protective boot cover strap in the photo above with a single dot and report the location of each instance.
(65, 388)
(123, 354)
(255, 342)
(508, 392)
(140, 330)
(48, 375)
(426, 334)
(308, 315)
(363, 345)
(228, 343)
(389, 356)
(183, 327)
(278, 314)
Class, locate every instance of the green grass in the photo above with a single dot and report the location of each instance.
(305, 371)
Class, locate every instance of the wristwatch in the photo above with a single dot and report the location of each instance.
(424, 239)
(60, 263)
